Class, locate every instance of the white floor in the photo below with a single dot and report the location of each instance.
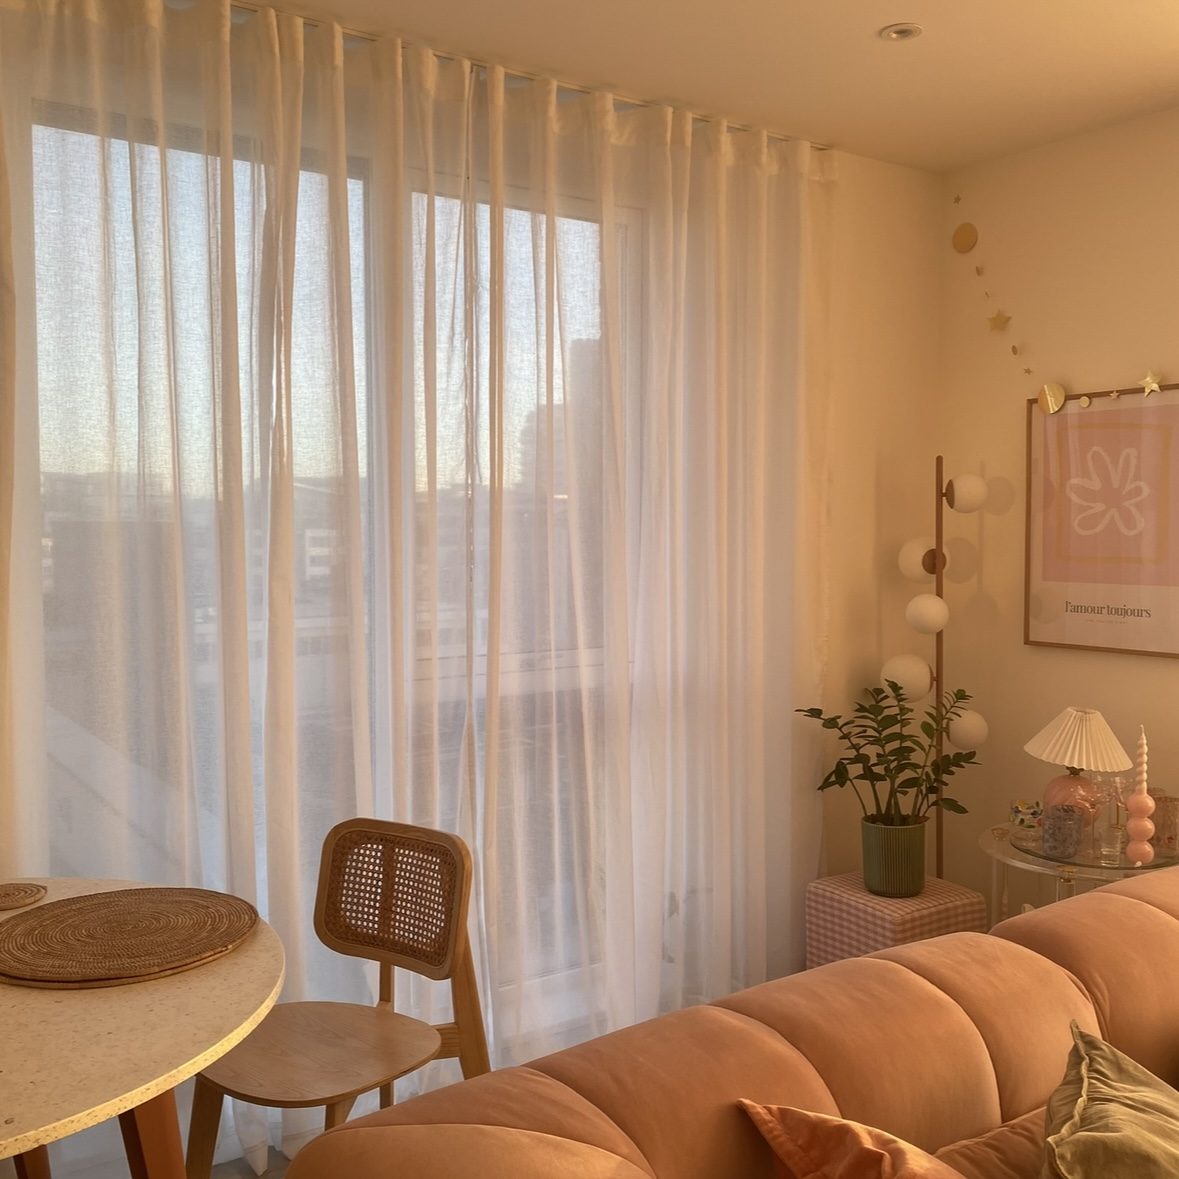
(240, 1169)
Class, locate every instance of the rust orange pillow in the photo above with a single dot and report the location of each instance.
(818, 1146)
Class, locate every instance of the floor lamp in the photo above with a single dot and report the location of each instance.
(919, 559)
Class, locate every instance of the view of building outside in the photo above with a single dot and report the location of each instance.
(131, 564)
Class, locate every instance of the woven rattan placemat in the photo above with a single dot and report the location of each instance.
(130, 935)
(18, 894)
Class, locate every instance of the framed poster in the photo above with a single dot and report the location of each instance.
(1102, 558)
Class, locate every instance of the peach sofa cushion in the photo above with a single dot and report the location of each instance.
(854, 1021)
(517, 1098)
(818, 1146)
(1027, 1041)
(1136, 935)
(671, 1085)
(1014, 1150)
(492, 1152)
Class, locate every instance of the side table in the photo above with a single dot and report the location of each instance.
(1003, 845)
(844, 920)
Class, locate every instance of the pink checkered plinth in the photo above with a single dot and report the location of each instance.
(843, 919)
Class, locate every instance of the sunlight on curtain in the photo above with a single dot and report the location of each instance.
(403, 437)
(9, 810)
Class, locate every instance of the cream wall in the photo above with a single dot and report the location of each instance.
(1079, 242)
(885, 298)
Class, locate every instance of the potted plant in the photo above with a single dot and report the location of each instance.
(893, 765)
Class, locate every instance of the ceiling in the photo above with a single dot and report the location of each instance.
(983, 80)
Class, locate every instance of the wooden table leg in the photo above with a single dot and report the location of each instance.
(33, 1164)
(202, 1128)
(151, 1136)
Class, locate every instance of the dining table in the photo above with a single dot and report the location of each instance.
(71, 1058)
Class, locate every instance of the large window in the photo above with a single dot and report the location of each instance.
(132, 508)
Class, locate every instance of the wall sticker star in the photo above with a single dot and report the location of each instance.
(957, 199)
(1027, 372)
(999, 321)
(1149, 383)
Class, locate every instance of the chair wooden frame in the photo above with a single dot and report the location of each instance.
(395, 894)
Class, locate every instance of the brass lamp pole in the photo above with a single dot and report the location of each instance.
(939, 585)
(927, 613)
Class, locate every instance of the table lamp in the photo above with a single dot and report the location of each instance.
(1078, 739)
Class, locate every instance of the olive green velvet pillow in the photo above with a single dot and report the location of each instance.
(1111, 1118)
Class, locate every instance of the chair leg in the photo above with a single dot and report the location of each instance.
(468, 1016)
(33, 1164)
(202, 1130)
(337, 1114)
(387, 1095)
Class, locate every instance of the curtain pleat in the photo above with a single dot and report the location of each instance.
(9, 808)
(235, 803)
(281, 118)
(352, 515)
(484, 797)
(393, 417)
(418, 440)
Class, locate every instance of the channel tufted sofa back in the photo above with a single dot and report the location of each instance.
(953, 1044)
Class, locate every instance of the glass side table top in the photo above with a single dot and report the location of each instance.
(1020, 847)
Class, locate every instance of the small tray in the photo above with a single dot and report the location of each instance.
(108, 939)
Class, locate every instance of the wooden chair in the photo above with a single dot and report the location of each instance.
(392, 893)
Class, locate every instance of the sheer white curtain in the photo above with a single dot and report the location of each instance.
(399, 436)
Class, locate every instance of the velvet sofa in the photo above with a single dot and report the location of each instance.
(953, 1044)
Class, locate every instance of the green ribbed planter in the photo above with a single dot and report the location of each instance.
(894, 858)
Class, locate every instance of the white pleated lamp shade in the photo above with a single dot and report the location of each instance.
(1081, 738)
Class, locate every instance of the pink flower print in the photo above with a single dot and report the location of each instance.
(1107, 497)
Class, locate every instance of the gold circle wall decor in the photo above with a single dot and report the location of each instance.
(965, 238)
(1051, 397)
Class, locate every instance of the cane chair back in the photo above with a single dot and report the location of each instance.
(394, 893)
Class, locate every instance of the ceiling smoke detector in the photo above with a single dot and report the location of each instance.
(902, 31)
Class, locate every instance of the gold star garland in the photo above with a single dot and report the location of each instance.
(964, 240)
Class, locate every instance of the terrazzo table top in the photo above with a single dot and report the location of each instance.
(72, 1059)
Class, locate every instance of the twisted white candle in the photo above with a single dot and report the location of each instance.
(1140, 806)
(1140, 762)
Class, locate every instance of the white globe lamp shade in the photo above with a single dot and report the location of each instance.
(910, 673)
(966, 493)
(969, 730)
(927, 614)
(912, 559)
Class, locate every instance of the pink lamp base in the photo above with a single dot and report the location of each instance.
(1073, 790)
